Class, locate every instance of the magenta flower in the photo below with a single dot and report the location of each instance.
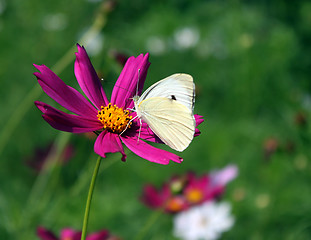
(163, 198)
(168, 197)
(107, 119)
(70, 234)
(200, 189)
(182, 192)
(156, 198)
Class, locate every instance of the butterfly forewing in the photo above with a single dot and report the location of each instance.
(170, 120)
(178, 87)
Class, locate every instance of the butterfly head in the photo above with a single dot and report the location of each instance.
(136, 103)
(135, 99)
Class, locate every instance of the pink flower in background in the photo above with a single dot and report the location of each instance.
(270, 146)
(156, 198)
(223, 176)
(163, 198)
(120, 57)
(200, 189)
(40, 160)
(176, 203)
(107, 119)
(70, 234)
(185, 191)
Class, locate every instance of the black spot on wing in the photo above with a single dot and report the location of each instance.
(173, 97)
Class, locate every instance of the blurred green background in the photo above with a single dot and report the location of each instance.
(251, 62)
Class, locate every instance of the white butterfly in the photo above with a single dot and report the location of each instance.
(167, 108)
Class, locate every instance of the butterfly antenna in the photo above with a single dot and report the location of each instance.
(137, 82)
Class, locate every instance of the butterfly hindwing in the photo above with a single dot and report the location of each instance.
(170, 120)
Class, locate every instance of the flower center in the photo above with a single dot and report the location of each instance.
(194, 196)
(114, 119)
(175, 204)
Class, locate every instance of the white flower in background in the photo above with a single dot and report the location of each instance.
(2, 6)
(186, 37)
(155, 45)
(95, 45)
(204, 222)
(213, 45)
(306, 101)
(55, 22)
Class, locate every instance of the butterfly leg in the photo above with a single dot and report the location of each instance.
(140, 123)
(128, 125)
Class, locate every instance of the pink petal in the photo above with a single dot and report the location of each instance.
(198, 120)
(224, 176)
(149, 152)
(102, 235)
(67, 122)
(45, 234)
(155, 198)
(125, 88)
(108, 142)
(145, 132)
(88, 79)
(68, 233)
(65, 95)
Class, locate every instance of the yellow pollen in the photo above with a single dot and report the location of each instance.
(114, 119)
(194, 196)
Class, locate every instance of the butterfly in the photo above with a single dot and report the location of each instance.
(167, 108)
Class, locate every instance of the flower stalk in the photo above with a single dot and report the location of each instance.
(149, 223)
(89, 199)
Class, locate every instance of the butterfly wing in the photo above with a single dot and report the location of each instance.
(179, 87)
(170, 120)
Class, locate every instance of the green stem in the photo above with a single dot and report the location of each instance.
(89, 199)
(153, 217)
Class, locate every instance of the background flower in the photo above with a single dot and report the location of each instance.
(205, 222)
(71, 234)
(41, 156)
(184, 191)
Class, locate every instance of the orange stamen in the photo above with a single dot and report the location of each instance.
(114, 119)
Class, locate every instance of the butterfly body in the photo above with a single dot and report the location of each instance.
(167, 108)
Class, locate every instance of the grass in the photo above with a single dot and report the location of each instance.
(251, 67)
